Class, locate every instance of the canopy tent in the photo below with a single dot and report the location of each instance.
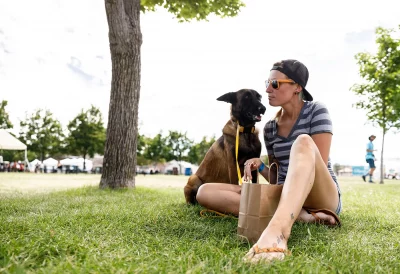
(33, 164)
(78, 162)
(50, 164)
(9, 142)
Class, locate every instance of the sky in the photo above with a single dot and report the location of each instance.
(54, 54)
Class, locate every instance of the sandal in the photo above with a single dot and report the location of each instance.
(264, 254)
(318, 220)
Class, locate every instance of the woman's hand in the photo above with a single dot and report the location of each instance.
(249, 166)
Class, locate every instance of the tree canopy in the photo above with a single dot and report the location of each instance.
(381, 72)
(186, 10)
(5, 122)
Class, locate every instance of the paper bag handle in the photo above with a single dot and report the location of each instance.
(269, 172)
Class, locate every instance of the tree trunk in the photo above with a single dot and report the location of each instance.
(119, 165)
(84, 162)
(383, 144)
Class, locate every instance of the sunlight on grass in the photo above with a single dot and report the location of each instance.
(145, 230)
(31, 183)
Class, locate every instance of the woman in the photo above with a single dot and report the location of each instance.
(300, 138)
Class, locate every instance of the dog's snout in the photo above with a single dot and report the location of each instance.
(261, 109)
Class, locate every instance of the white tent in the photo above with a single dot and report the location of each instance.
(33, 164)
(181, 166)
(66, 162)
(50, 164)
(78, 162)
(9, 142)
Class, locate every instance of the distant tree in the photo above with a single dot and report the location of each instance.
(140, 151)
(42, 133)
(119, 165)
(336, 168)
(141, 144)
(198, 151)
(5, 122)
(379, 94)
(17, 155)
(156, 150)
(265, 159)
(177, 146)
(86, 134)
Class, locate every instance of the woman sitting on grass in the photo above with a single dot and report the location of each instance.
(299, 140)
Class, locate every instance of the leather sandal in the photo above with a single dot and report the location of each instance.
(262, 254)
(318, 220)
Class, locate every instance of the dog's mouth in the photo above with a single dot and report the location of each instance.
(255, 117)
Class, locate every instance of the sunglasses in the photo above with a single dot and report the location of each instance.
(275, 83)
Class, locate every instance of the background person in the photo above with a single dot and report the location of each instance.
(370, 159)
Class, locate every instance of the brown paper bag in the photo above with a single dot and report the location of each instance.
(258, 203)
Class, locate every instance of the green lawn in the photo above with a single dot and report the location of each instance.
(152, 230)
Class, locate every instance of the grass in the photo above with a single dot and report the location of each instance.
(145, 230)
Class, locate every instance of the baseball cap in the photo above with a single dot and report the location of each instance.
(372, 136)
(296, 71)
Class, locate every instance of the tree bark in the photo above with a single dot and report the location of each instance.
(84, 162)
(119, 165)
(383, 144)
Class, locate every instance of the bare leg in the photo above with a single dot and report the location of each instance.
(309, 184)
(371, 172)
(223, 198)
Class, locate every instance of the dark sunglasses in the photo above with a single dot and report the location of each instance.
(275, 83)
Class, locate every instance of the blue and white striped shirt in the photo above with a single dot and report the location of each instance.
(313, 119)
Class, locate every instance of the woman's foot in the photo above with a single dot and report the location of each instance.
(272, 245)
(318, 217)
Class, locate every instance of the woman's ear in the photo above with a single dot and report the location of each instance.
(299, 88)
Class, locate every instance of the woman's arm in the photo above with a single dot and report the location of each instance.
(323, 142)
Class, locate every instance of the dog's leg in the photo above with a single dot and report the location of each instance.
(254, 175)
(190, 190)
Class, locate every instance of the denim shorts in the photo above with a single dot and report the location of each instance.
(339, 207)
(371, 163)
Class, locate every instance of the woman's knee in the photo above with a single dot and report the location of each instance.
(304, 142)
(201, 194)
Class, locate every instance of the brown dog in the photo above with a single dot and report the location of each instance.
(219, 164)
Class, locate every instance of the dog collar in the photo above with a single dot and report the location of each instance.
(246, 129)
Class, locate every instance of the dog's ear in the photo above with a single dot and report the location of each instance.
(229, 97)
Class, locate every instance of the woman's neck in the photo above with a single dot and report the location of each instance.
(291, 110)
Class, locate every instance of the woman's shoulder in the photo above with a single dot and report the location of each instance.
(270, 125)
(315, 104)
(314, 107)
(270, 128)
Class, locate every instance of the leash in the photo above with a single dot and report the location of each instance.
(236, 150)
(219, 214)
(240, 129)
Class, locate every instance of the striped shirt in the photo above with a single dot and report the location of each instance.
(313, 119)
